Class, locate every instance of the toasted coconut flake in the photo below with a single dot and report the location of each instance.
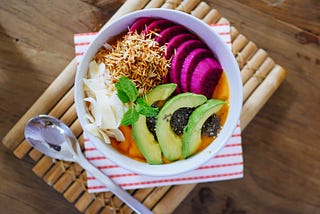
(137, 57)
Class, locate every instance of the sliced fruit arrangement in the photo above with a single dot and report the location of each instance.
(179, 57)
(171, 143)
(140, 24)
(176, 41)
(186, 50)
(205, 77)
(145, 140)
(169, 33)
(165, 76)
(158, 25)
(178, 124)
(190, 64)
(191, 140)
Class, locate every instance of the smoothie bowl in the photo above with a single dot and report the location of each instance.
(158, 92)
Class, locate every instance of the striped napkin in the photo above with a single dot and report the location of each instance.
(227, 164)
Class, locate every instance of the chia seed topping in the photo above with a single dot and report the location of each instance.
(180, 119)
(151, 124)
(212, 126)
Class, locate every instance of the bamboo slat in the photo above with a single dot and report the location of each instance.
(223, 20)
(55, 172)
(175, 193)
(67, 178)
(95, 206)
(187, 5)
(257, 78)
(35, 155)
(201, 10)
(117, 202)
(22, 149)
(244, 55)
(99, 203)
(261, 95)
(261, 76)
(252, 65)
(76, 189)
(84, 201)
(43, 165)
(108, 210)
(234, 33)
(172, 4)
(238, 43)
(212, 16)
(140, 195)
(155, 4)
(156, 195)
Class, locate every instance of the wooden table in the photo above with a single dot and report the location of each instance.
(280, 145)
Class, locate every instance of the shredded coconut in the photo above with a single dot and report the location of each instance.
(138, 57)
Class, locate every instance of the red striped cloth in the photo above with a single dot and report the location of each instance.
(227, 164)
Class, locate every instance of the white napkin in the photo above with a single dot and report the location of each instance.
(227, 164)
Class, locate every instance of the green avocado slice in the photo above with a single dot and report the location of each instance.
(170, 143)
(191, 139)
(144, 139)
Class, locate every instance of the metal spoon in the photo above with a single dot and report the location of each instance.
(54, 138)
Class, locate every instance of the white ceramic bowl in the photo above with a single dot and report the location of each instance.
(223, 54)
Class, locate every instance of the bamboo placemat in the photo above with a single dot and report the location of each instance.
(261, 76)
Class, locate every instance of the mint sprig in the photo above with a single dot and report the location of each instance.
(130, 117)
(127, 92)
(143, 108)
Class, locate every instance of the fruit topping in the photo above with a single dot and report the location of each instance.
(140, 24)
(176, 65)
(158, 25)
(190, 64)
(205, 77)
(170, 143)
(169, 33)
(176, 41)
(191, 139)
(124, 86)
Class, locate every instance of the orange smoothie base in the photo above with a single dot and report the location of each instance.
(129, 147)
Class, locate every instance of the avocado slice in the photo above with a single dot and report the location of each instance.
(191, 139)
(145, 141)
(170, 143)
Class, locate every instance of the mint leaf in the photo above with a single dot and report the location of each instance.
(123, 96)
(127, 91)
(143, 108)
(130, 117)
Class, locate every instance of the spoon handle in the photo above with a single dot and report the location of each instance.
(113, 187)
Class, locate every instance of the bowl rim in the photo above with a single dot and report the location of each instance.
(193, 162)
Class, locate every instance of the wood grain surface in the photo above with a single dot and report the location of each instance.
(281, 145)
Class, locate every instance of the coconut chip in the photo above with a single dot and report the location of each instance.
(138, 57)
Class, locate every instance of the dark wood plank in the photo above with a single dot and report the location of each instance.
(21, 191)
(303, 14)
(280, 145)
(36, 40)
(281, 148)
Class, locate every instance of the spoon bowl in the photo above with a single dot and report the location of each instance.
(51, 137)
(55, 139)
